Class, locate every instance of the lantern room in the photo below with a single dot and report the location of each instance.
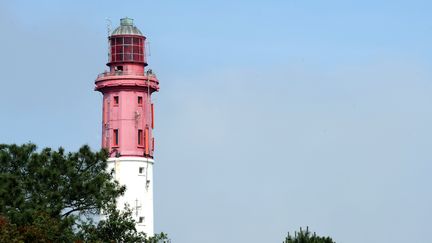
(127, 44)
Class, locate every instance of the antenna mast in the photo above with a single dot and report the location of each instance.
(108, 26)
(148, 52)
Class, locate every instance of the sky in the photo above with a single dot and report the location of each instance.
(272, 115)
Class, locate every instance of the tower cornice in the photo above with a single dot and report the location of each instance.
(109, 80)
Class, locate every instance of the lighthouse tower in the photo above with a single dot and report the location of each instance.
(128, 120)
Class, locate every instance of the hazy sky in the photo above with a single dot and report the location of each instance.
(271, 114)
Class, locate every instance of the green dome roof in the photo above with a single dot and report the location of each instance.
(126, 28)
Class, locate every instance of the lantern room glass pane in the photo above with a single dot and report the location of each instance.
(127, 49)
(119, 49)
(136, 41)
(136, 49)
(128, 57)
(128, 40)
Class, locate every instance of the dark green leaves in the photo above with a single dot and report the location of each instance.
(43, 194)
(305, 236)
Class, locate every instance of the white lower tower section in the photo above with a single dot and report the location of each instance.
(136, 173)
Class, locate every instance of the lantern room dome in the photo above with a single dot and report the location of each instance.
(126, 28)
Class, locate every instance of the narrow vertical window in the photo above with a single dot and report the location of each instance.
(116, 100)
(140, 100)
(140, 137)
(116, 137)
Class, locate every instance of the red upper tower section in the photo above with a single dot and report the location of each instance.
(128, 111)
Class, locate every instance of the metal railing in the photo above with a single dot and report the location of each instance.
(120, 73)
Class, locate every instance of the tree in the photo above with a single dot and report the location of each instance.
(306, 237)
(44, 196)
(119, 226)
(9, 232)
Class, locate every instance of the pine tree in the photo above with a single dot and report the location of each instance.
(306, 237)
(46, 196)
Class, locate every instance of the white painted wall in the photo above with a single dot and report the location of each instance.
(139, 188)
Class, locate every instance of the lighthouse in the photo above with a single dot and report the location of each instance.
(128, 120)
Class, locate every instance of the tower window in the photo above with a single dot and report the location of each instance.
(140, 137)
(139, 100)
(116, 100)
(141, 170)
(141, 220)
(116, 137)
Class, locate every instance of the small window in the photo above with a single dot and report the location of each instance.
(141, 170)
(116, 100)
(116, 137)
(141, 220)
(140, 137)
(119, 68)
(139, 100)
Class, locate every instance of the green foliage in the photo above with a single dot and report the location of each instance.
(306, 237)
(159, 238)
(45, 195)
(119, 226)
(9, 232)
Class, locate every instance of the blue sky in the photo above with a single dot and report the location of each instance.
(271, 115)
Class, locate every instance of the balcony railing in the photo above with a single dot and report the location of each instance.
(122, 73)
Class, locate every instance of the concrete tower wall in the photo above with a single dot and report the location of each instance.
(137, 174)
